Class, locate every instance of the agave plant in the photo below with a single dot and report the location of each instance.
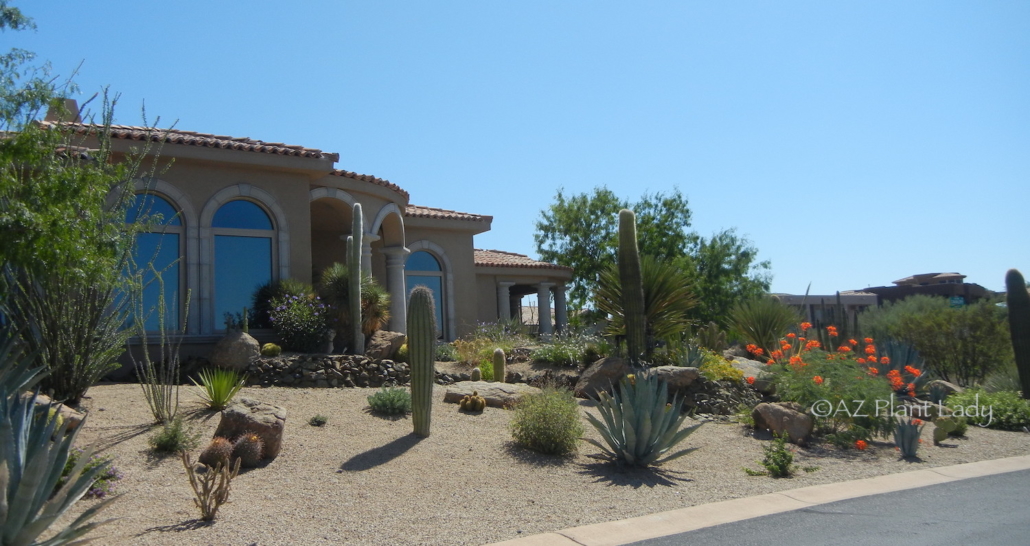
(640, 426)
(218, 386)
(33, 453)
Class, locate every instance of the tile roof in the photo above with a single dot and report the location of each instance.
(369, 178)
(203, 140)
(499, 258)
(416, 211)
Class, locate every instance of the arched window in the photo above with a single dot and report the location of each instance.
(423, 269)
(243, 255)
(158, 256)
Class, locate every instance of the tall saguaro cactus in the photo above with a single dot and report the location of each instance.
(354, 270)
(421, 349)
(632, 286)
(1018, 300)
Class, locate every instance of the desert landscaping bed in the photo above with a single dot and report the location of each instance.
(364, 479)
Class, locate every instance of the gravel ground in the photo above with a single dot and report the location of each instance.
(364, 479)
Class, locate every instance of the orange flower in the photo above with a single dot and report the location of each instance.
(801, 339)
(791, 335)
(795, 360)
(813, 344)
(873, 371)
(818, 380)
(861, 361)
(751, 347)
(805, 326)
(861, 445)
(770, 362)
(751, 380)
(759, 351)
(870, 350)
(776, 354)
(914, 371)
(868, 340)
(785, 346)
(917, 422)
(844, 349)
(885, 360)
(853, 342)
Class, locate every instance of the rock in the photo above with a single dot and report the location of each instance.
(601, 375)
(753, 368)
(69, 415)
(249, 415)
(384, 344)
(783, 417)
(944, 387)
(677, 377)
(497, 395)
(235, 351)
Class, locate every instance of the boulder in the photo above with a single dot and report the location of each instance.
(784, 417)
(497, 395)
(945, 387)
(753, 368)
(235, 351)
(601, 375)
(677, 377)
(384, 344)
(67, 414)
(249, 415)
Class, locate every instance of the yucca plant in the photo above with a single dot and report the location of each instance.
(218, 386)
(763, 321)
(334, 287)
(640, 426)
(32, 461)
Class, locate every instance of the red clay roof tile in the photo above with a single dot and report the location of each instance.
(416, 211)
(499, 258)
(369, 178)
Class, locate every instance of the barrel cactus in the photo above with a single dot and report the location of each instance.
(1018, 301)
(218, 451)
(250, 449)
(476, 374)
(632, 286)
(354, 295)
(270, 349)
(472, 403)
(499, 360)
(421, 351)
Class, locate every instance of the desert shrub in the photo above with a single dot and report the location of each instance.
(318, 420)
(763, 321)
(1004, 410)
(717, 368)
(391, 401)
(778, 460)
(334, 288)
(276, 290)
(486, 367)
(1006, 378)
(547, 422)
(402, 353)
(218, 386)
(301, 322)
(445, 352)
(174, 436)
(105, 480)
(569, 349)
(271, 349)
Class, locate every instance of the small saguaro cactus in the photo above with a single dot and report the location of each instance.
(632, 286)
(354, 292)
(246, 321)
(421, 350)
(1018, 301)
(476, 374)
(499, 360)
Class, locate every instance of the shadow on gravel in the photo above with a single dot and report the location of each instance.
(187, 525)
(528, 456)
(380, 455)
(123, 434)
(633, 477)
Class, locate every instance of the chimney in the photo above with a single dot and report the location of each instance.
(63, 110)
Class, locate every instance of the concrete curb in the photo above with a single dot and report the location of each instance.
(615, 533)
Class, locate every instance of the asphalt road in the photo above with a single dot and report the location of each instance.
(987, 511)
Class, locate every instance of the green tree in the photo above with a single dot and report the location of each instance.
(582, 231)
(725, 271)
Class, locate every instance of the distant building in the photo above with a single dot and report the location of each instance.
(830, 310)
(945, 285)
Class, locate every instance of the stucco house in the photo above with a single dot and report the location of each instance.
(243, 211)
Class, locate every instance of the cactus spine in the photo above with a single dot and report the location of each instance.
(421, 349)
(354, 269)
(1018, 300)
(632, 286)
(499, 365)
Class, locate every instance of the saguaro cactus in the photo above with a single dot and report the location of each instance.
(354, 270)
(499, 360)
(1018, 300)
(632, 286)
(421, 349)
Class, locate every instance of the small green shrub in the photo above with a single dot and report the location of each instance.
(391, 401)
(445, 352)
(173, 437)
(717, 368)
(271, 349)
(486, 366)
(547, 422)
(1004, 410)
(319, 420)
(104, 484)
(302, 323)
(402, 354)
(778, 460)
(571, 349)
(281, 289)
(218, 386)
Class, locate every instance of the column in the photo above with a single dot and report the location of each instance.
(561, 315)
(395, 257)
(366, 252)
(543, 302)
(504, 300)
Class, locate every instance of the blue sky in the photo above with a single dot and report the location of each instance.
(854, 143)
